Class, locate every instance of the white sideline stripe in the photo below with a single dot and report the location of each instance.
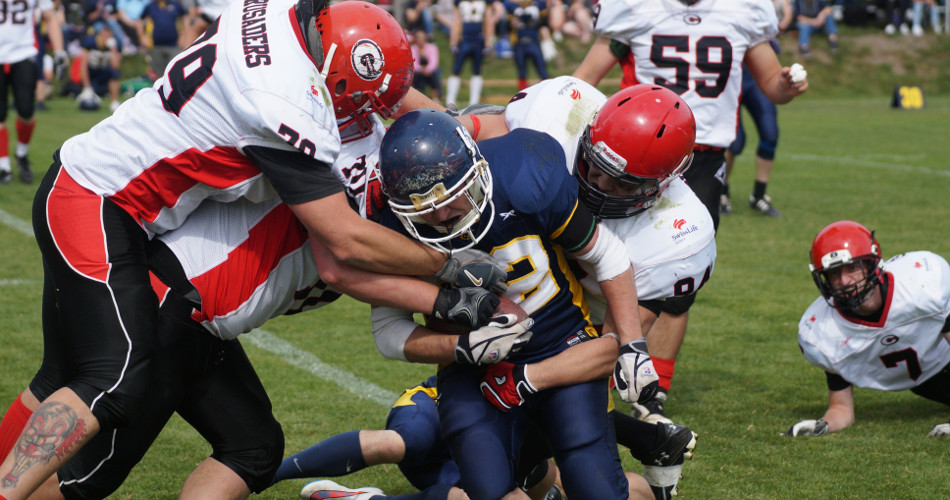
(16, 223)
(20, 282)
(265, 340)
(307, 361)
(870, 163)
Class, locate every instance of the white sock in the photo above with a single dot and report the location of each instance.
(22, 149)
(475, 90)
(452, 89)
(5, 164)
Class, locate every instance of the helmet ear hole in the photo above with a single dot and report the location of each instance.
(340, 87)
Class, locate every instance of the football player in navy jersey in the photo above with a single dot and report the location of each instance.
(878, 325)
(447, 192)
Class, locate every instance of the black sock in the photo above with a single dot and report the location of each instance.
(725, 189)
(759, 190)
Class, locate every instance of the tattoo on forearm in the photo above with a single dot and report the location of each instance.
(52, 432)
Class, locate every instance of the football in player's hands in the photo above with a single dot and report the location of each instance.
(505, 306)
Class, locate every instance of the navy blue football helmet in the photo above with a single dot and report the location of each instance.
(427, 161)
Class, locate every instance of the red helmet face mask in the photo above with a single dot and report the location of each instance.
(642, 137)
(841, 244)
(367, 63)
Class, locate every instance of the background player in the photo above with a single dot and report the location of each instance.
(19, 74)
(877, 325)
(473, 27)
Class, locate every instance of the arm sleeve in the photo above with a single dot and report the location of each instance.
(577, 231)
(836, 382)
(619, 49)
(296, 177)
(391, 329)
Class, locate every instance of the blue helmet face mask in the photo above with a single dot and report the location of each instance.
(427, 162)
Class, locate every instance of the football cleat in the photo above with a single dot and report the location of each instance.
(5, 176)
(764, 205)
(651, 411)
(725, 206)
(325, 488)
(663, 467)
(26, 173)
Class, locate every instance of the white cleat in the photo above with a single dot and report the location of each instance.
(324, 488)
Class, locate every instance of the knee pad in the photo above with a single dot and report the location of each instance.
(678, 305)
(766, 149)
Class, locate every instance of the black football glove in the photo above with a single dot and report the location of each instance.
(473, 267)
(471, 307)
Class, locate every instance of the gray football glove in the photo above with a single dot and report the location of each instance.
(634, 374)
(940, 430)
(808, 428)
(471, 307)
(473, 267)
(493, 342)
(475, 109)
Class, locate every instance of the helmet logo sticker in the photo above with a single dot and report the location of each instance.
(367, 59)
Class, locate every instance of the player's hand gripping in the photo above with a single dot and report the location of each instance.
(494, 341)
(472, 307)
(940, 430)
(473, 267)
(505, 385)
(808, 428)
(634, 374)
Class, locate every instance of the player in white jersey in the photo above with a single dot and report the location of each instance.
(878, 325)
(228, 269)
(18, 72)
(246, 111)
(696, 48)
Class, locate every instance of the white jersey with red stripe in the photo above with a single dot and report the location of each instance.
(562, 107)
(671, 245)
(251, 261)
(17, 29)
(900, 351)
(696, 51)
(248, 81)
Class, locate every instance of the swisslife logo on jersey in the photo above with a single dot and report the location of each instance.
(318, 92)
(683, 229)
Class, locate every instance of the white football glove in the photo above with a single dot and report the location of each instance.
(634, 374)
(808, 428)
(493, 342)
(940, 430)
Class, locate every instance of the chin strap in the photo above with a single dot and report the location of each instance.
(307, 11)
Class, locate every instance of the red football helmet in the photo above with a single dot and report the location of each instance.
(366, 61)
(642, 137)
(842, 243)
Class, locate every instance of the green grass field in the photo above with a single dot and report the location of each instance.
(740, 380)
